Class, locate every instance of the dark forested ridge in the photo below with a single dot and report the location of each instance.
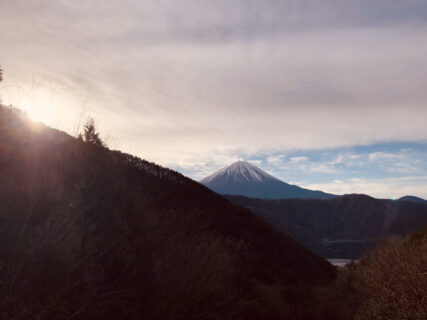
(89, 233)
(343, 227)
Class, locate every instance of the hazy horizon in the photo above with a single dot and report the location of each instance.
(328, 96)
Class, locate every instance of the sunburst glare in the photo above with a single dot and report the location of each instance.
(39, 111)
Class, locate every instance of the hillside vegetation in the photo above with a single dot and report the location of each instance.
(394, 280)
(390, 283)
(89, 233)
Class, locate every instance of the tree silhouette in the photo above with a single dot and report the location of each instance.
(90, 135)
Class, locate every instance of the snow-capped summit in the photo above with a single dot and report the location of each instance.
(243, 178)
(240, 171)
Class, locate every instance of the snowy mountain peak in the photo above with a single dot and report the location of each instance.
(240, 171)
(243, 178)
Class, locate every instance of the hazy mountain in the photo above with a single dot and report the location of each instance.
(89, 233)
(413, 199)
(342, 227)
(243, 178)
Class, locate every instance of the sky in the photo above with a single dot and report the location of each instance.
(329, 95)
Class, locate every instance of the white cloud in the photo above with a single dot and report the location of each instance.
(338, 160)
(322, 168)
(298, 159)
(204, 81)
(255, 162)
(380, 188)
(383, 155)
(277, 159)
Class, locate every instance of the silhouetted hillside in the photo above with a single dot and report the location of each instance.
(89, 233)
(342, 227)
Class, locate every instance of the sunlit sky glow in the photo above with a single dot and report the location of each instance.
(326, 94)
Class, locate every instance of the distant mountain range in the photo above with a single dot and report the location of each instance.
(243, 178)
(343, 227)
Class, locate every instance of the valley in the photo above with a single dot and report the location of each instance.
(335, 227)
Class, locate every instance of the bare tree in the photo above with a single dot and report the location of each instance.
(80, 119)
(1, 79)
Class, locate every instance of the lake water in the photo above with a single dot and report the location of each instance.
(341, 262)
(342, 249)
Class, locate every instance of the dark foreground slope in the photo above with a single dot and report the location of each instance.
(88, 233)
(343, 227)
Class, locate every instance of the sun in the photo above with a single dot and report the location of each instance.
(39, 112)
(45, 116)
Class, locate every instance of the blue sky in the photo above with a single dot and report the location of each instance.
(328, 94)
(385, 170)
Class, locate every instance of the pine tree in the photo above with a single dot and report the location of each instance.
(90, 134)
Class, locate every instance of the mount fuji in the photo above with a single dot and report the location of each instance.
(243, 178)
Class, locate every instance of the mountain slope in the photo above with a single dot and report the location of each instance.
(243, 178)
(89, 233)
(346, 222)
(412, 199)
